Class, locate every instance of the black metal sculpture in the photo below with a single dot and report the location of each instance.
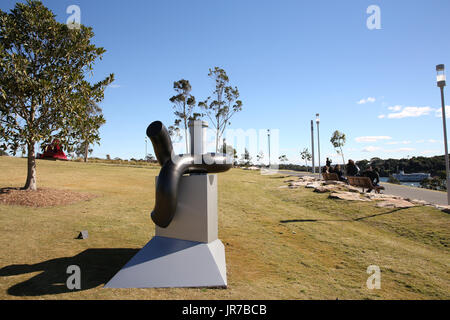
(173, 169)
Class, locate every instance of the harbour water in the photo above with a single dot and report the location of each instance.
(411, 184)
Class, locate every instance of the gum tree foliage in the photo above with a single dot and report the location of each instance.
(283, 158)
(306, 155)
(229, 150)
(338, 141)
(183, 107)
(43, 91)
(88, 131)
(246, 159)
(224, 105)
(260, 156)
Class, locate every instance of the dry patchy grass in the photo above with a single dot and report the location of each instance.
(280, 243)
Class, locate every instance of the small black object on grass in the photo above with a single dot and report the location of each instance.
(83, 235)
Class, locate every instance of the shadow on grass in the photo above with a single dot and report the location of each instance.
(97, 267)
(343, 220)
(7, 189)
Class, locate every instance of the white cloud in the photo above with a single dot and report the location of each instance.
(399, 142)
(379, 149)
(430, 151)
(395, 108)
(370, 149)
(410, 112)
(372, 138)
(369, 99)
(438, 112)
(432, 141)
(381, 116)
(400, 150)
(420, 141)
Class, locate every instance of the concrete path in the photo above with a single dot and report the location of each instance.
(432, 196)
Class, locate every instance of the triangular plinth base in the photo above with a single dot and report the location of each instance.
(173, 263)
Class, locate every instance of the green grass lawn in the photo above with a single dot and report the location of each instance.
(280, 243)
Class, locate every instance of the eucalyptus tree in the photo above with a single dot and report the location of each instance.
(43, 91)
(246, 158)
(283, 158)
(306, 156)
(88, 130)
(183, 106)
(224, 105)
(338, 141)
(260, 156)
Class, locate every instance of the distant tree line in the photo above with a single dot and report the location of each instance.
(433, 165)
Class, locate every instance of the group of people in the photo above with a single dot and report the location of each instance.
(353, 170)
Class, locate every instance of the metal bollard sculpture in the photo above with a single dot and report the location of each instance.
(185, 250)
(173, 168)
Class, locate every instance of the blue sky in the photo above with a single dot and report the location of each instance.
(289, 59)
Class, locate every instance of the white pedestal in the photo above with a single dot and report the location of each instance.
(187, 253)
(196, 215)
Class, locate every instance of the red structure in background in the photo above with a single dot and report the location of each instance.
(53, 151)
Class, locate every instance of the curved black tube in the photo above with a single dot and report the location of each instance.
(173, 168)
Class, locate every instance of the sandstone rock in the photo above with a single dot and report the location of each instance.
(346, 195)
(445, 209)
(328, 182)
(420, 202)
(395, 203)
(321, 189)
(352, 189)
(312, 185)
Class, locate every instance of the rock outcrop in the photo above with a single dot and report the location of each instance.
(342, 191)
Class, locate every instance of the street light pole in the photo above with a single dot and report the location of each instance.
(312, 148)
(145, 158)
(268, 139)
(441, 84)
(318, 141)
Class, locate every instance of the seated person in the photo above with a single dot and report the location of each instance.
(352, 169)
(373, 176)
(340, 174)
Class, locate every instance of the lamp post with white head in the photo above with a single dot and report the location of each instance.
(440, 77)
(318, 141)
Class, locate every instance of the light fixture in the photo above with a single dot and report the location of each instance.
(440, 76)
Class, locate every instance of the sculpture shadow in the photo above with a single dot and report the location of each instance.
(97, 267)
(343, 220)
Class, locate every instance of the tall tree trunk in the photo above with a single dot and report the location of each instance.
(86, 150)
(31, 175)
(217, 141)
(342, 154)
(186, 135)
(217, 135)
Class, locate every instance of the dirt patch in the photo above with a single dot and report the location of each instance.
(42, 197)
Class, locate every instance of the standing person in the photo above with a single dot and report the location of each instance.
(328, 163)
(351, 168)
